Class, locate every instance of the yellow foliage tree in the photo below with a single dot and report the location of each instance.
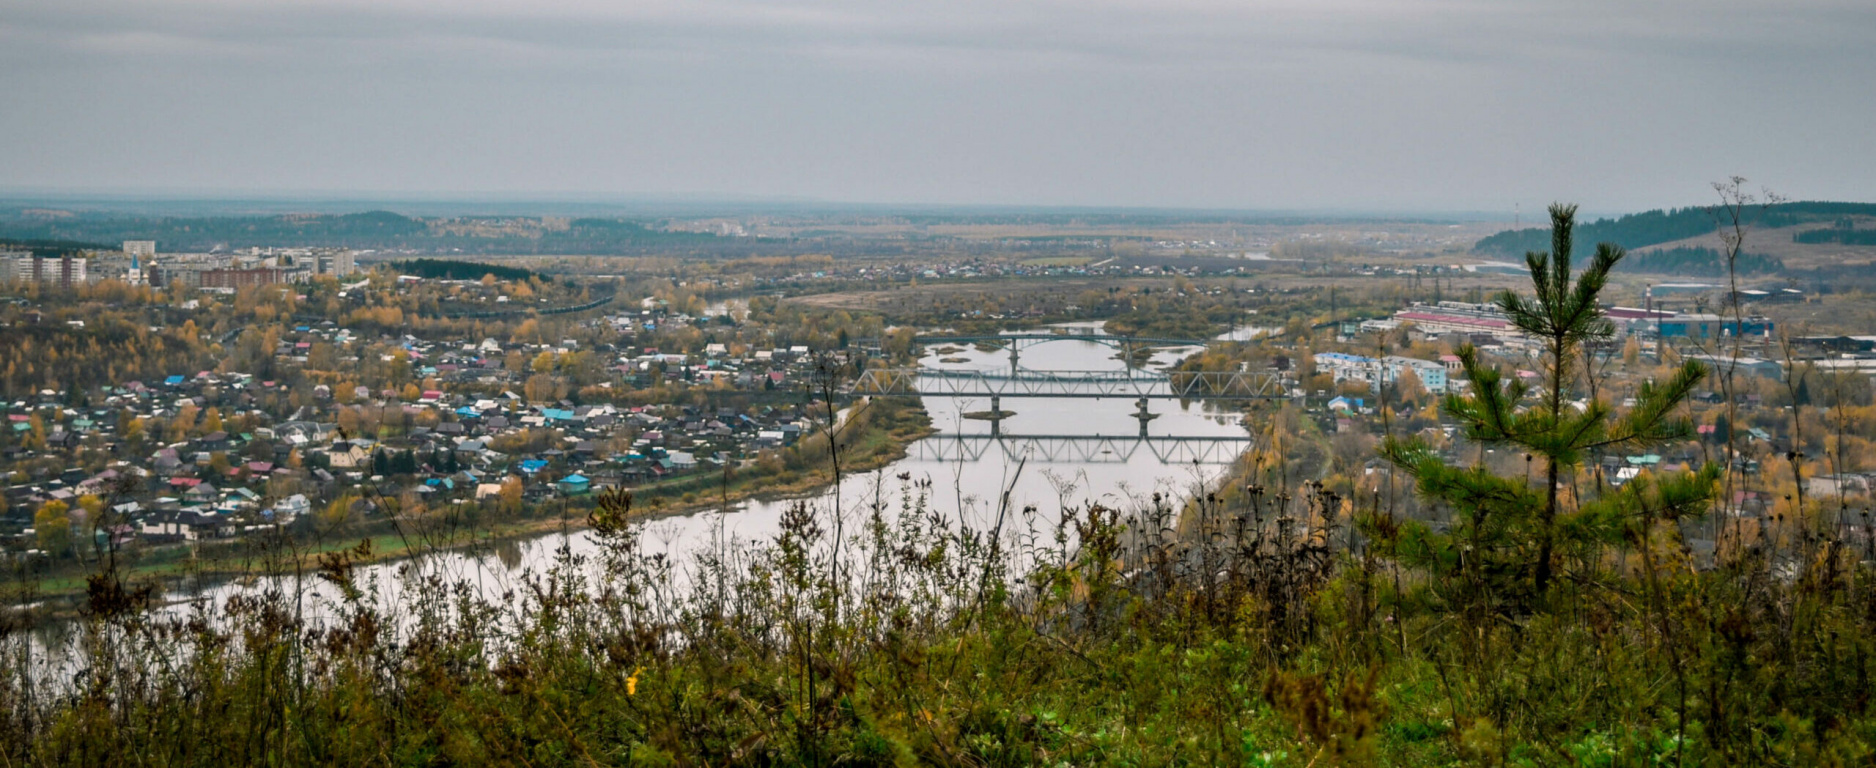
(53, 526)
(339, 511)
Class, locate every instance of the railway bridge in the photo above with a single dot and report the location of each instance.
(1128, 383)
(1016, 342)
(1081, 449)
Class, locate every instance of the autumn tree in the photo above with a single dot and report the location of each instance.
(53, 525)
(339, 511)
(133, 432)
(541, 388)
(93, 507)
(1408, 387)
(183, 424)
(511, 494)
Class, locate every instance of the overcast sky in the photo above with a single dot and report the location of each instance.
(1286, 104)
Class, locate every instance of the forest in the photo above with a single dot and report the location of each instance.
(1844, 235)
(450, 269)
(49, 247)
(1640, 230)
(1706, 262)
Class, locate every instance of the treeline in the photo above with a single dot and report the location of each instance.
(1640, 230)
(1700, 261)
(1839, 235)
(452, 269)
(367, 230)
(42, 247)
(1175, 314)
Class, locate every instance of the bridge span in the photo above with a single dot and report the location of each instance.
(1131, 384)
(1015, 342)
(1038, 338)
(1086, 449)
(1126, 383)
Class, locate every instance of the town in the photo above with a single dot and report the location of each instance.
(284, 390)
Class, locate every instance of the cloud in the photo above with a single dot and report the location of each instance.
(1120, 31)
(1457, 102)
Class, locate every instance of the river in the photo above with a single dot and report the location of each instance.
(970, 487)
(973, 489)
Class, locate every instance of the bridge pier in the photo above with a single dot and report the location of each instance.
(1013, 362)
(1143, 415)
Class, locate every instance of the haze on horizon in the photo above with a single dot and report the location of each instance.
(1264, 104)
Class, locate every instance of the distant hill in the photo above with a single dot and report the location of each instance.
(1640, 230)
(377, 230)
(41, 247)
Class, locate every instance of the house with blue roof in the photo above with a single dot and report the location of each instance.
(574, 485)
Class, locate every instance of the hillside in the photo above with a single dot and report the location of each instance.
(1662, 227)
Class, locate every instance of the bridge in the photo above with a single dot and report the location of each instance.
(1126, 383)
(1014, 342)
(1131, 384)
(1071, 334)
(1086, 449)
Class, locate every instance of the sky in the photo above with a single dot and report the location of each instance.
(1480, 105)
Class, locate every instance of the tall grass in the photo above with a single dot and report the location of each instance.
(1254, 627)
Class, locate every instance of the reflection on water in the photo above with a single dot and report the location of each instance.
(508, 551)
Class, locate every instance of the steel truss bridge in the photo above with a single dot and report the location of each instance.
(1015, 342)
(1131, 384)
(1085, 449)
(1009, 340)
(1128, 383)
